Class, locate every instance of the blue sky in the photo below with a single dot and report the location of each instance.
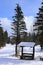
(29, 7)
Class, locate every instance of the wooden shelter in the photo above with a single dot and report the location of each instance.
(27, 55)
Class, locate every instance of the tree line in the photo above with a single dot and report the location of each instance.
(3, 36)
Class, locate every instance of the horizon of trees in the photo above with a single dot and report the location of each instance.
(3, 36)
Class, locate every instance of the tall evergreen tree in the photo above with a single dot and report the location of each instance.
(39, 25)
(18, 25)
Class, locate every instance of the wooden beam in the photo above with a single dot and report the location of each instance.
(22, 53)
(33, 52)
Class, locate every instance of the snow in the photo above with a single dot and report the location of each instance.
(37, 48)
(7, 50)
(6, 57)
(38, 52)
(8, 61)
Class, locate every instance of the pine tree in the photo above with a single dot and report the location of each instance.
(39, 25)
(1, 36)
(18, 25)
(5, 34)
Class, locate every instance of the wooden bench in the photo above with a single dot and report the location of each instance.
(27, 56)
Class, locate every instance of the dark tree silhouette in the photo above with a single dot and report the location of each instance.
(39, 25)
(3, 36)
(18, 25)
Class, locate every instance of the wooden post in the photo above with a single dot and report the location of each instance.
(33, 52)
(22, 53)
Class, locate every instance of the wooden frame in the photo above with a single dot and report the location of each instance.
(27, 56)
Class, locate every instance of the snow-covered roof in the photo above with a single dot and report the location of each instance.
(26, 44)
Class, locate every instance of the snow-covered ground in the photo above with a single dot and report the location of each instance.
(6, 57)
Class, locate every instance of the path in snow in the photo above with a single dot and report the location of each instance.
(9, 61)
